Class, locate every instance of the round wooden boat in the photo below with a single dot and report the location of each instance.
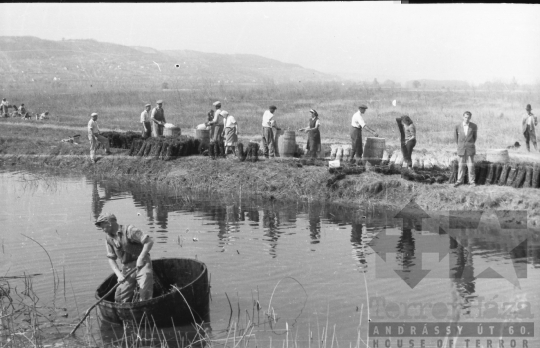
(168, 305)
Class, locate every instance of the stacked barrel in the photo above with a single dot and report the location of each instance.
(121, 140)
(165, 148)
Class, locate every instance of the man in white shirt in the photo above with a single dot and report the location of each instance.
(230, 132)
(268, 123)
(4, 108)
(145, 121)
(357, 124)
(158, 118)
(212, 116)
(529, 123)
(95, 138)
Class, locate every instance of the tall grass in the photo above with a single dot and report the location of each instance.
(435, 112)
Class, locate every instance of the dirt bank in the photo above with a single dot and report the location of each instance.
(32, 148)
(278, 179)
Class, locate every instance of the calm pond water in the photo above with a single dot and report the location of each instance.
(315, 266)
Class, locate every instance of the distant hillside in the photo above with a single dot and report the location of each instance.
(30, 59)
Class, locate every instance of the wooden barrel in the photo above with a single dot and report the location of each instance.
(173, 131)
(347, 149)
(287, 144)
(333, 151)
(203, 135)
(373, 150)
(339, 153)
(497, 155)
(385, 158)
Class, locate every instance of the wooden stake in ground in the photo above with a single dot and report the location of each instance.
(101, 299)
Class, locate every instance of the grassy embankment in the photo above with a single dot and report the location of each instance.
(497, 114)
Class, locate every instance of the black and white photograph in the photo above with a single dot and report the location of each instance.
(269, 174)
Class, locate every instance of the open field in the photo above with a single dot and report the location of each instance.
(498, 115)
(435, 113)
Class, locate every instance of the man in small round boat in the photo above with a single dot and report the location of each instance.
(131, 247)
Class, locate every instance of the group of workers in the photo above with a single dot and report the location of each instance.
(131, 246)
(223, 129)
(19, 111)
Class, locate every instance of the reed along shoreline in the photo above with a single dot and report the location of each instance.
(277, 179)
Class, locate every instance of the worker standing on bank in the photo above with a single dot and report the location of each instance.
(314, 135)
(95, 137)
(465, 135)
(131, 247)
(268, 136)
(211, 118)
(158, 119)
(145, 122)
(529, 124)
(358, 124)
(217, 125)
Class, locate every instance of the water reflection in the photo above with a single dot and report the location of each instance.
(314, 217)
(259, 242)
(462, 272)
(271, 229)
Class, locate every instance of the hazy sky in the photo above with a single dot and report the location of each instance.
(472, 42)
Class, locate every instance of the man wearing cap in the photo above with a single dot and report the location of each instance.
(217, 124)
(211, 118)
(529, 123)
(145, 121)
(268, 123)
(158, 119)
(358, 124)
(95, 138)
(465, 136)
(131, 247)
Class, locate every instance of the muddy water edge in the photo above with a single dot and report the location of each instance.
(298, 270)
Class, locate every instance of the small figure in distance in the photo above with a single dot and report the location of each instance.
(516, 145)
(42, 116)
(465, 135)
(314, 134)
(24, 114)
(529, 123)
(15, 112)
(4, 108)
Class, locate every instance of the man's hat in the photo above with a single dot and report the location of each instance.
(159, 102)
(272, 107)
(362, 106)
(105, 217)
(217, 103)
(314, 112)
(93, 114)
(529, 107)
(148, 105)
(224, 113)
